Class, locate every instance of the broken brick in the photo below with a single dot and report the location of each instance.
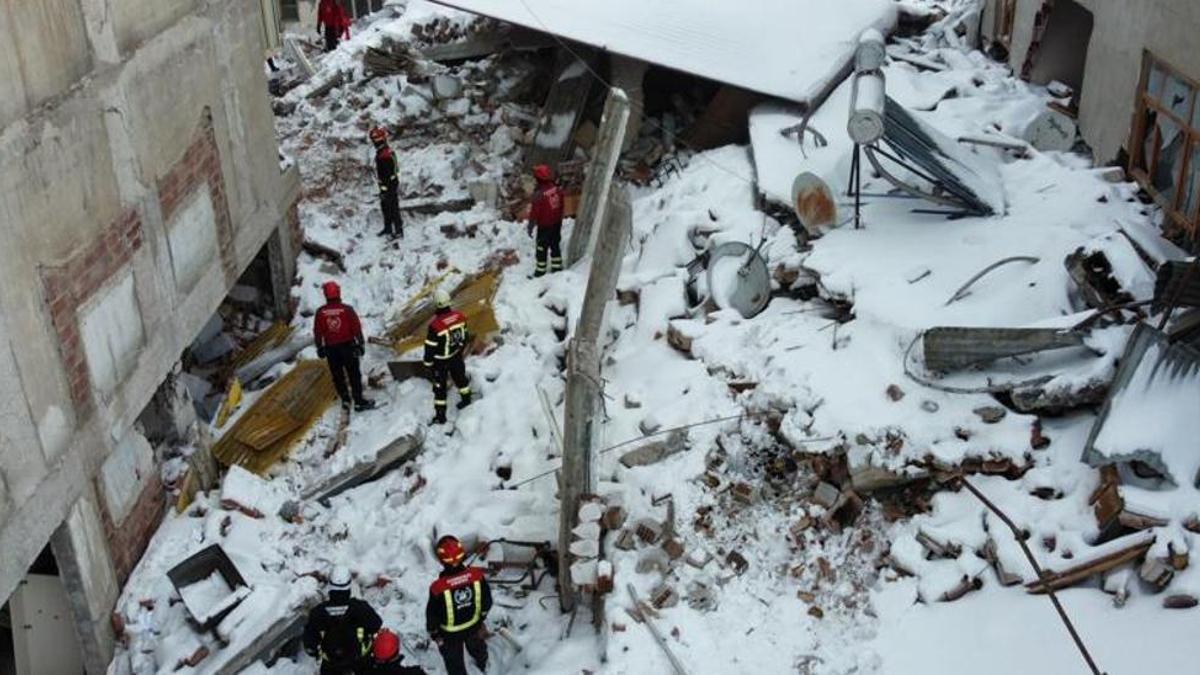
(738, 562)
(674, 548)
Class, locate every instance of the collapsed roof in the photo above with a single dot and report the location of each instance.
(791, 49)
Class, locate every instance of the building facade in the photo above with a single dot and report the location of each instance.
(139, 177)
(1135, 71)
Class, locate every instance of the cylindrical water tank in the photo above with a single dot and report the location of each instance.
(867, 101)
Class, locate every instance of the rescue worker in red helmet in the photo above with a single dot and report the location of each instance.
(445, 344)
(546, 215)
(459, 602)
(386, 657)
(339, 338)
(339, 631)
(389, 184)
(337, 24)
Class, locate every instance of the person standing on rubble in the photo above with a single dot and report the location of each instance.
(389, 184)
(546, 215)
(339, 338)
(340, 630)
(459, 602)
(333, 18)
(445, 344)
(386, 658)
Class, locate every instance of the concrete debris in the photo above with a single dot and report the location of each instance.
(649, 531)
(966, 585)
(737, 562)
(590, 512)
(955, 348)
(1180, 601)
(585, 548)
(826, 495)
(799, 527)
(1156, 572)
(209, 584)
(626, 540)
(701, 597)
(679, 337)
(744, 493)
(894, 392)
(930, 406)
(584, 572)
(588, 531)
(614, 518)
(674, 548)
(1003, 575)
(605, 581)
(655, 451)
(698, 559)
(990, 414)
(1092, 273)
(664, 597)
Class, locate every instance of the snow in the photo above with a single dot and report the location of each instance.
(210, 596)
(733, 43)
(1162, 391)
(802, 382)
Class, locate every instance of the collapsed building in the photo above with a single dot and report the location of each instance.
(139, 180)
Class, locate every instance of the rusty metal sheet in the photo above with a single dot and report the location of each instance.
(814, 203)
(955, 348)
(278, 419)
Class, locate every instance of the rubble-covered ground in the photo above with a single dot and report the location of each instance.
(769, 580)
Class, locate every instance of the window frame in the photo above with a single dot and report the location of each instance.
(1188, 126)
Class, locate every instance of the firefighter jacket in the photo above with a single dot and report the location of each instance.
(339, 631)
(335, 324)
(459, 600)
(385, 171)
(546, 210)
(447, 336)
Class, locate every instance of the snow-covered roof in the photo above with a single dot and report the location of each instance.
(792, 49)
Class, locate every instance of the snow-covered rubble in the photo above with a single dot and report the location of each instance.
(787, 405)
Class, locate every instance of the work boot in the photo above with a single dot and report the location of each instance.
(385, 232)
(365, 404)
(346, 406)
(464, 401)
(439, 417)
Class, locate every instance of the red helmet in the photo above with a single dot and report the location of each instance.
(450, 550)
(386, 646)
(543, 173)
(378, 135)
(332, 290)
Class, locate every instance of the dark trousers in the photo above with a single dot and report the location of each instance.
(389, 203)
(452, 651)
(549, 250)
(343, 366)
(452, 368)
(332, 36)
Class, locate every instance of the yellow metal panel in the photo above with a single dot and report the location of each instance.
(473, 297)
(278, 419)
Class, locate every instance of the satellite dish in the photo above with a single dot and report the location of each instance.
(814, 203)
(738, 278)
(1051, 131)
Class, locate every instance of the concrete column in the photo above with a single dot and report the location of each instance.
(283, 269)
(599, 175)
(86, 570)
(629, 75)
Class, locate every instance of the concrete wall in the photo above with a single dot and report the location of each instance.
(131, 131)
(1123, 29)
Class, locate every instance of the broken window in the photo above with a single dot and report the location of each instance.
(1166, 142)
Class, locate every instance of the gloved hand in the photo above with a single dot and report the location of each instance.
(320, 352)
(359, 350)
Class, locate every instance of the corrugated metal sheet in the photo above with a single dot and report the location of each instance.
(1159, 366)
(278, 419)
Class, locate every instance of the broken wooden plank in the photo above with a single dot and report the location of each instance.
(406, 370)
(270, 641)
(953, 348)
(432, 206)
(1111, 555)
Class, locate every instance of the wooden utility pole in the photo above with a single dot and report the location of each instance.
(582, 417)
